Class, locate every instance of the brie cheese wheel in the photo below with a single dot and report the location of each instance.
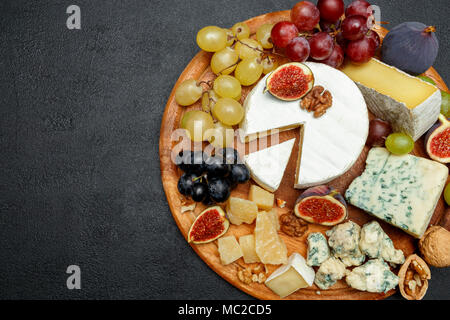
(329, 145)
(287, 279)
(267, 166)
(408, 103)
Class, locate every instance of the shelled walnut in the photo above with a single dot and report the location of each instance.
(292, 225)
(249, 275)
(413, 278)
(318, 100)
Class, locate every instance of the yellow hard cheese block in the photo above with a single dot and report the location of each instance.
(247, 244)
(287, 279)
(408, 103)
(270, 247)
(229, 250)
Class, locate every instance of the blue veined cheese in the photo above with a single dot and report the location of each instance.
(401, 190)
(329, 272)
(375, 243)
(318, 250)
(373, 276)
(343, 240)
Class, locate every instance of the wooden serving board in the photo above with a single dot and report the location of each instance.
(199, 69)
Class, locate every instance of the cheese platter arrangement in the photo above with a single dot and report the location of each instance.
(304, 154)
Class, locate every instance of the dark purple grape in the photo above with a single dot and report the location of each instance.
(230, 155)
(216, 167)
(186, 183)
(191, 161)
(219, 189)
(199, 191)
(239, 173)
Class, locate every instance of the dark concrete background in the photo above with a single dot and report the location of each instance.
(80, 113)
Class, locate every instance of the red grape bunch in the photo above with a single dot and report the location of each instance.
(324, 34)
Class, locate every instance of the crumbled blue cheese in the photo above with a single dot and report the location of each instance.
(329, 272)
(401, 190)
(373, 276)
(318, 250)
(343, 240)
(375, 243)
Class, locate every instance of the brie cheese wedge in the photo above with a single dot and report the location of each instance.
(329, 145)
(408, 103)
(267, 166)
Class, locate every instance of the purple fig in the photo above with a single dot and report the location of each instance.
(437, 140)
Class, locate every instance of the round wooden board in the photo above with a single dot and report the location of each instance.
(199, 69)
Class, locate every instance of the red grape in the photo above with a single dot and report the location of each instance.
(305, 16)
(373, 35)
(336, 58)
(298, 49)
(282, 33)
(321, 45)
(358, 8)
(354, 27)
(326, 26)
(361, 51)
(330, 10)
(378, 132)
(341, 40)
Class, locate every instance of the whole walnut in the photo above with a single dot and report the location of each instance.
(435, 247)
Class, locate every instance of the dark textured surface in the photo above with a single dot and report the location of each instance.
(80, 114)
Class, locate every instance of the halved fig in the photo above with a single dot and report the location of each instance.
(210, 225)
(437, 140)
(321, 205)
(290, 82)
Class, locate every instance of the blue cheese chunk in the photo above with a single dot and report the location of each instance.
(318, 250)
(329, 273)
(375, 243)
(401, 190)
(373, 276)
(343, 240)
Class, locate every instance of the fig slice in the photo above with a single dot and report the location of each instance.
(321, 205)
(290, 82)
(209, 225)
(437, 140)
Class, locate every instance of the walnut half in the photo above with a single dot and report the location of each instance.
(413, 278)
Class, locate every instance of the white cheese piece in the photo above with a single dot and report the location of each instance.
(401, 190)
(373, 276)
(375, 243)
(318, 250)
(329, 273)
(408, 103)
(267, 166)
(330, 144)
(294, 275)
(343, 240)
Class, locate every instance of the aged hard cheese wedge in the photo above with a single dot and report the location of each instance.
(270, 248)
(247, 244)
(329, 145)
(267, 166)
(287, 279)
(229, 249)
(401, 190)
(408, 103)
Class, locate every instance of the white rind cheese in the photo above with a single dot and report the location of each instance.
(294, 275)
(330, 144)
(267, 166)
(401, 190)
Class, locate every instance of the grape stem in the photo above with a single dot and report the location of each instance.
(256, 49)
(208, 83)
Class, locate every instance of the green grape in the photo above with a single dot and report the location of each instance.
(188, 92)
(227, 87)
(427, 79)
(263, 35)
(221, 136)
(445, 104)
(399, 143)
(212, 39)
(209, 99)
(230, 37)
(224, 61)
(447, 194)
(228, 111)
(269, 64)
(241, 30)
(197, 123)
(248, 48)
(248, 71)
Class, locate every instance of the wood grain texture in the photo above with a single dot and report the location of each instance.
(199, 69)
